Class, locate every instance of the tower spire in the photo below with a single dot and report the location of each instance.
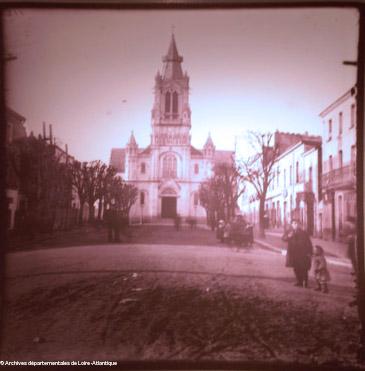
(172, 62)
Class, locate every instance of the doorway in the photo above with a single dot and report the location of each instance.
(168, 207)
(310, 216)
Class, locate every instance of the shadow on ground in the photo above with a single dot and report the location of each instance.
(95, 235)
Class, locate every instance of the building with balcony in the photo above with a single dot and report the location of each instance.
(294, 190)
(339, 165)
(169, 171)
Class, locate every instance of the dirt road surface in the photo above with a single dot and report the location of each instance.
(173, 302)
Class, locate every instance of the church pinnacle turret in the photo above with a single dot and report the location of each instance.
(209, 147)
(132, 140)
(132, 146)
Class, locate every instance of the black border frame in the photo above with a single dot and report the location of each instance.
(200, 4)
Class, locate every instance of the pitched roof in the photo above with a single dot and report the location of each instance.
(117, 159)
(145, 151)
(223, 156)
(284, 141)
(195, 152)
(117, 156)
(13, 115)
(338, 101)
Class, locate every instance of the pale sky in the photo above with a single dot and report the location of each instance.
(91, 73)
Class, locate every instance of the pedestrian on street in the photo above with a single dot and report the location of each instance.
(113, 222)
(299, 252)
(177, 221)
(351, 238)
(321, 273)
(220, 230)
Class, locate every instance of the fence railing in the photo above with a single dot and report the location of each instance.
(344, 176)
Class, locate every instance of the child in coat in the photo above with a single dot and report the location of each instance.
(321, 272)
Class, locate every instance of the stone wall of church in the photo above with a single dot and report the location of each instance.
(148, 207)
(169, 173)
(145, 172)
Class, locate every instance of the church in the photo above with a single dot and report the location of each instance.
(169, 171)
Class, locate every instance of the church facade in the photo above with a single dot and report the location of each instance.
(169, 171)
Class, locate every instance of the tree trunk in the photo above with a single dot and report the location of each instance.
(100, 208)
(91, 212)
(262, 217)
(81, 212)
(66, 223)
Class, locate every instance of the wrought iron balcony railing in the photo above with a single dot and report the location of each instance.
(341, 177)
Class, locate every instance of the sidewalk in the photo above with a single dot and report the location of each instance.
(335, 251)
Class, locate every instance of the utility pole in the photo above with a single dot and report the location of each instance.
(360, 180)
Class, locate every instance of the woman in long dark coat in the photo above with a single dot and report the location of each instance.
(299, 253)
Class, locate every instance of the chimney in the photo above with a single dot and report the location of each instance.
(44, 130)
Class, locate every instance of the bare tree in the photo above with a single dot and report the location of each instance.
(105, 178)
(95, 172)
(42, 178)
(79, 174)
(257, 169)
(91, 181)
(219, 195)
(211, 202)
(124, 195)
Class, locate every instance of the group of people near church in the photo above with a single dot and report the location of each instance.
(237, 231)
(300, 254)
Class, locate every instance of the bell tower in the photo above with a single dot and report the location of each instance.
(171, 115)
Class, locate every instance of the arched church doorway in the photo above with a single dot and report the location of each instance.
(168, 207)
